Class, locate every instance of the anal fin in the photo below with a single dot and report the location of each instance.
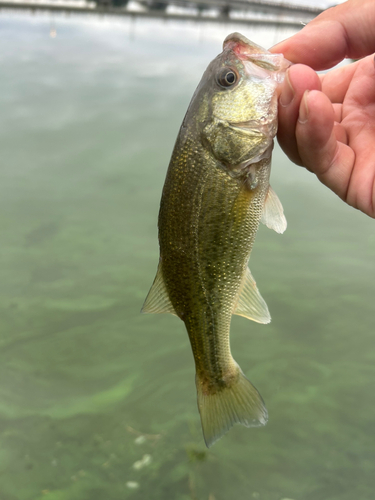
(250, 303)
(157, 300)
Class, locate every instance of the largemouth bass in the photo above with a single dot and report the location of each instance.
(215, 194)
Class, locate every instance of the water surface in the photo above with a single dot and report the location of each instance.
(97, 401)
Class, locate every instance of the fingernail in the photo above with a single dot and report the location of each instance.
(287, 94)
(303, 108)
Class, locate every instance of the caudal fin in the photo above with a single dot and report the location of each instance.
(240, 403)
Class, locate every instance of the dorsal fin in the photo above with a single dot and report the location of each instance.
(250, 303)
(157, 300)
(273, 213)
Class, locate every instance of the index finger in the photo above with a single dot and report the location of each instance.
(346, 30)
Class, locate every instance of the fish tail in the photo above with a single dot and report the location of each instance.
(237, 403)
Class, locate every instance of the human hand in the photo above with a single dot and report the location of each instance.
(327, 122)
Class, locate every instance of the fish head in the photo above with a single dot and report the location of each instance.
(249, 77)
(236, 102)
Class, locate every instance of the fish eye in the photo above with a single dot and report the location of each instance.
(227, 77)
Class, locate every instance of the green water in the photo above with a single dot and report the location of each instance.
(88, 386)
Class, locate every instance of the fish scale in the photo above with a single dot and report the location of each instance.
(215, 194)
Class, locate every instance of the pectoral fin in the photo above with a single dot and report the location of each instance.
(251, 304)
(157, 300)
(273, 213)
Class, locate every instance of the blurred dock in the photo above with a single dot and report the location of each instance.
(216, 11)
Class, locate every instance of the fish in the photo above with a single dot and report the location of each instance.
(215, 195)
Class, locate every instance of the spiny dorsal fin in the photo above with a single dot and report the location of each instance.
(250, 303)
(273, 213)
(157, 300)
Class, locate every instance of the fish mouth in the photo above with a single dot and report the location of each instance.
(242, 45)
(246, 50)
